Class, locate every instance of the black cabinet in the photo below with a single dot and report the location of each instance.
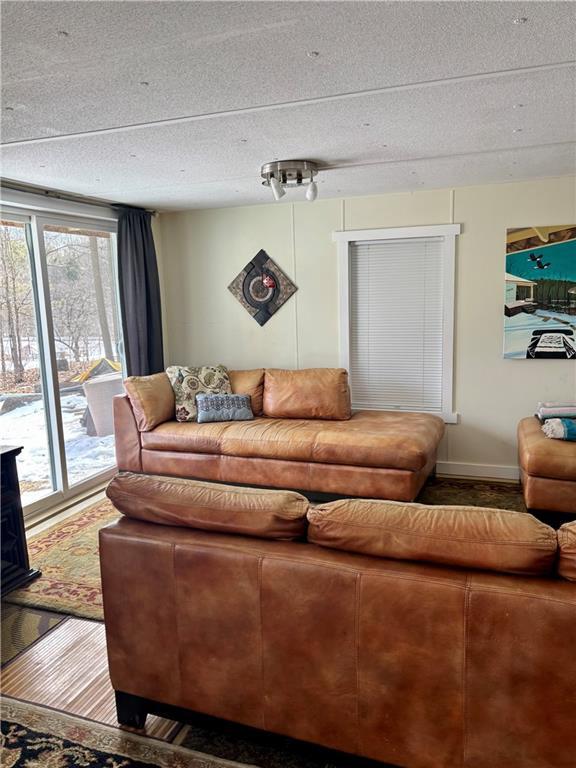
(16, 569)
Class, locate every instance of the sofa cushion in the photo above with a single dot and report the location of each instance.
(151, 398)
(406, 441)
(567, 551)
(188, 382)
(312, 393)
(542, 457)
(249, 383)
(471, 537)
(210, 507)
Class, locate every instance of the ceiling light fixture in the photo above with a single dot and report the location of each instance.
(516, 130)
(520, 20)
(282, 174)
(313, 54)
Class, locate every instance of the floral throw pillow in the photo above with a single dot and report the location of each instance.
(189, 382)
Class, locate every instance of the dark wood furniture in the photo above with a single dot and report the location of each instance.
(16, 569)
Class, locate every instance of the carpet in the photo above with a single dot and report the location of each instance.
(227, 740)
(475, 493)
(22, 626)
(38, 737)
(67, 554)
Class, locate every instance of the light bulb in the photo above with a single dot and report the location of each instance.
(277, 190)
(312, 192)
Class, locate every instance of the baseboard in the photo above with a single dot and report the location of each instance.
(485, 471)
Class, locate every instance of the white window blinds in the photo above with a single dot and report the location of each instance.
(396, 317)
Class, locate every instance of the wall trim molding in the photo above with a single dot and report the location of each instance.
(486, 471)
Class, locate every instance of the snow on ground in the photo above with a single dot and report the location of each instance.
(86, 455)
(518, 329)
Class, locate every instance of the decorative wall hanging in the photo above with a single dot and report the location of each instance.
(262, 288)
(540, 297)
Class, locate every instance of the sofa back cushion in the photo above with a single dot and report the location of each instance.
(209, 507)
(567, 551)
(470, 537)
(251, 383)
(151, 398)
(311, 393)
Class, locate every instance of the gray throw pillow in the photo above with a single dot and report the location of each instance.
(223, 407)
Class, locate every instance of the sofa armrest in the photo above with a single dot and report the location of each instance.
(127, 436)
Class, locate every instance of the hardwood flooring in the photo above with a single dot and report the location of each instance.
(67, 670)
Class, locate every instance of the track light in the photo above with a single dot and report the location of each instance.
(312, 192)
(277, 190)
(281, 174)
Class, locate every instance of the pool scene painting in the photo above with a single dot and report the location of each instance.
(540, 297)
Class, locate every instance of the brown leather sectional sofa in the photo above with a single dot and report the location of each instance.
(304, 437)
(423, 637)
(547, 470)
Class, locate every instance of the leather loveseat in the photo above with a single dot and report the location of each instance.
(304, 436)
(423, 637)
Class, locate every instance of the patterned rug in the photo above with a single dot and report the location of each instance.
(37, 737)
(21, 627)
(265, 750)
(67, 554)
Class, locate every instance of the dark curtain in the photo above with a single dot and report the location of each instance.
(139, 293)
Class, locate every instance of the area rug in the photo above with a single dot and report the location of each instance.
(227, 740)
(22, 626)
(67, 555)
(476, 493)
(38, 737)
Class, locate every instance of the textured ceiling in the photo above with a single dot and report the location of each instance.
(176, 105)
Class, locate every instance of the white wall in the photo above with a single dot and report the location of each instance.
(200, 252)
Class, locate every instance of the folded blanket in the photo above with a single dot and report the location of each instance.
(556, 411)
(560, 429)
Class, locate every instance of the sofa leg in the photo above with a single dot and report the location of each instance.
(130, 710)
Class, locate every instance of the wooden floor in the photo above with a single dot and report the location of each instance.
(67, 670)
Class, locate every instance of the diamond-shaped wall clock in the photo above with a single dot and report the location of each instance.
(262, 287)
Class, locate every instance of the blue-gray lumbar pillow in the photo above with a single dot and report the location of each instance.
(223, 407)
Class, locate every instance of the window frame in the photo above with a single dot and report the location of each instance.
(448, 233)
(36, 211)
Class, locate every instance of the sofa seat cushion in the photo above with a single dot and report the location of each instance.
(541, 456)
(209, 507)
(382, 439)
(470, 537)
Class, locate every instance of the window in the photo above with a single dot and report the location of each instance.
(60, 350)
(396, 317)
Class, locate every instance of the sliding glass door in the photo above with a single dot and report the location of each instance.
(61, 353)
(23, 413)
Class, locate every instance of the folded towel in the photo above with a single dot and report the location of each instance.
(545, 412)
(560, 429)
(558, 404)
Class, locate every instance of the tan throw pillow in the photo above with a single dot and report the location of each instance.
(151, 398)
(189, 382)
(567, 551)
(251, 383)
(470, 537)
(209, 506)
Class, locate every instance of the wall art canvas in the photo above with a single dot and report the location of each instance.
(262, 287)
(540, 293)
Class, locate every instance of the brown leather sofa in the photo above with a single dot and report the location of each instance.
(547, 470)
(304, 437)
(423, 637)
